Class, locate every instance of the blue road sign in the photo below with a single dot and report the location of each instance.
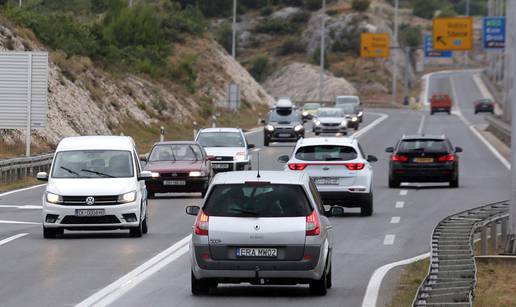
(431, 53)
(493, 32)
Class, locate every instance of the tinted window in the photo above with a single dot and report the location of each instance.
(348, 108)
(326, 153)
(330, 113)
(221, 139)
(175, 152)
(93, 164)
(343, 100)
(426, 145)
(284, 115)
(241, 200)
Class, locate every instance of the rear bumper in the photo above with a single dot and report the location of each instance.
(192, 185)
(344, 199)
(443, 174)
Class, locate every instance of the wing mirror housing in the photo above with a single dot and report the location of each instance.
(192, 210)
(211, 158)
(42, 176)
(389, 149)
(458, 149)
(145, 175)
(372, 159)
(143, 158)
(283, 159)
(250, 146)
(262, 121)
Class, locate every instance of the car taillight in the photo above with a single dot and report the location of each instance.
(355, 166)
(447, 158)
(297, 166)
(399, 158)
(201, 224)
(313, 225)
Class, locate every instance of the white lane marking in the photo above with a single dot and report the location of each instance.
(395, 220)
(404, 184)
(421, 125)
(389, 239)
(125, 283)
(373, 287)
(21, 190)
(376, 122)
(28, 207)
(400, 204)
(18, 222)
(491, 148)
(403, 192)
(7, 240)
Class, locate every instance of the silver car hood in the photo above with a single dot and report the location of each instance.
(331, 120)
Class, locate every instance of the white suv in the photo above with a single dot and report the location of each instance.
(95, 183)
(340, 169)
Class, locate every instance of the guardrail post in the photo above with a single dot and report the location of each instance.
(494, 234)
(505, 229)
(483, 241)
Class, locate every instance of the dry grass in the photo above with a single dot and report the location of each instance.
(26, 182)
(496, 286)
(410, 279)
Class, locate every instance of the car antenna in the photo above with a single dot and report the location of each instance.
(258, 170)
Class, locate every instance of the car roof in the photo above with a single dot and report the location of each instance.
(222, 129)
(424, 136)
(274, 177)
(327, 141)
(96, 142)
(177, 143)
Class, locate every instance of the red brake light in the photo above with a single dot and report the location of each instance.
(399, 158)
(201, 224)
(313, 225)
(297, 166)
(355, 166)
(447, 158)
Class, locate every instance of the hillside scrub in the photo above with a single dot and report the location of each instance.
(428, 8)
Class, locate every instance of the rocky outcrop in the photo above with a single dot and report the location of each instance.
(300, 82)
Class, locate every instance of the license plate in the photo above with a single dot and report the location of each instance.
(257, 252)
(174, 182)
(220, 166)
(90, 212)
(284, 135)
(423, 160)
(326, 180)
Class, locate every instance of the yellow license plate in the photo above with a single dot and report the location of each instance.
(424, 160)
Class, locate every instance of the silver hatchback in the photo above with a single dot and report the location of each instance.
(261, 229)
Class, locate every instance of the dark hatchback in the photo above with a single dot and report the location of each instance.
(484, 105)
(420, 158)
(283, 125)
(177, 167)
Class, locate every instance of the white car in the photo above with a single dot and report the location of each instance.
(330, 120)
(340, 169)
(227, 148)
(95, 183)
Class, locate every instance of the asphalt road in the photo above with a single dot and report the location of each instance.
(74, 268)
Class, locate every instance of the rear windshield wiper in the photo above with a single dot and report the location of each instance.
(243, 211)
(70, 171)
(419, 149)
(97, 173)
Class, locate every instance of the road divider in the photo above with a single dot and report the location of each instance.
(26, 207)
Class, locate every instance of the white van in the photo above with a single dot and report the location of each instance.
(95, 183)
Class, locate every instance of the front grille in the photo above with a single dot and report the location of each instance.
(222, 158)
(173, 175)
(77, 220)
(330, 125)
(81, 200)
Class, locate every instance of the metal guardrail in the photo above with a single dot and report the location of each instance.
(15, 169)
(451, 277)
(500, 129)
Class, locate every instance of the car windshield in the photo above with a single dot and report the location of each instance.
(330, 113)
(93, 164)
(248, 200)
(311, 106)
(347, 108)
(221, 139)
(283, 115)
(326, 153)
(426, 145)
(344, 100)
(175, 152)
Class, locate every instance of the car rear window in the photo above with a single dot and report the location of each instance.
(426, 145)
(326, 153)
(244, 200)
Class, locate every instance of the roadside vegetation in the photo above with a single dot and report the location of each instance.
(411, 277)
(428, 8)
(496, 284)
(23, 183)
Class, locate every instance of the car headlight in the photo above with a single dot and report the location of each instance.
(154, 174)
(196, 174)
(360, 113)
(354, 119)
(240, 156)
(305, 113)
(298, 128)
(54, 198)
(317, 123)
(127, 197)
(269, 127)
(344, 123)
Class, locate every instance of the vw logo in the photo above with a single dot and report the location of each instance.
(90, 201)
(326, 168)
(256, 227)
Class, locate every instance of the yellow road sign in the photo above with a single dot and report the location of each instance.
(454, 33)
(375, 45)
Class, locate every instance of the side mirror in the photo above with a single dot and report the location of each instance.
(335, 211)
(143, 158)
(42, 176)
(262, 121)
(389, 149)
(458, 149)
(249, 146)
(372, 159)
(283, 159)
(193, 210)
(145, 175)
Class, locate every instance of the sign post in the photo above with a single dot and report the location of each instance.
(493, 32)
(455, 33)
(374, 45)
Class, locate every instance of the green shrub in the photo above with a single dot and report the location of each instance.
(184, 71)
(260, 67)
(360, 5)
(313, 5)
(274, 26)
(224, 36)
(411, 36)
(301, 17)
(266, 10)
(292, 45)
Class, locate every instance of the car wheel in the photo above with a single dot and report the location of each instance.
(356, 127)
(367, 207)
(317, 133)
(455, 182)
(393, 183)
(449, 112)
(320, 286)
(328, 278)
(150, 195)
(145, 227)
(136, 232)
(432, 112)
(49, 233)
(199, 286)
